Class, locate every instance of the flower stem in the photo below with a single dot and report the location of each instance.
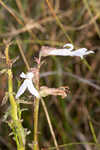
(50, 125)
(15, 124)
(36, 110)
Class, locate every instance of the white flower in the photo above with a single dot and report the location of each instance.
(70, 52)
(81, 52)
(27, 84)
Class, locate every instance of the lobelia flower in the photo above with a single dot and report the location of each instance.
(27, 84)
(70, 52)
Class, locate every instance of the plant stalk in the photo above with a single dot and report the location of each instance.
(50, 124)
(36, 111)
(16, 124)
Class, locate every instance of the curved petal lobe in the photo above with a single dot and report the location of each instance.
(32, 89)
(23, 75)
(22, 88)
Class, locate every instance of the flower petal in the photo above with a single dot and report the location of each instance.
(32, 89)
(81, 52)
(60, 52)
(89, 52)
(46, 51)
(23, 75)
(22, 88)
(29, 75)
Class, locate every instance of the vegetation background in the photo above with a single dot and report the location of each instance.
(75, 119)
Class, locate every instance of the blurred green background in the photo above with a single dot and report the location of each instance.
(37, 23)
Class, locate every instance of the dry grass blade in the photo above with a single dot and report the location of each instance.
(49, 123)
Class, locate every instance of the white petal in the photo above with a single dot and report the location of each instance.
(89, 52)
(23, 75)
(60, 52)
(32, 89)
(22, 89)
(29, 75)
(70, 52)
(69, 45)
(81, 52)
(56, 52)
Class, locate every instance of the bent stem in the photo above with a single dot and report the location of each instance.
(49, 123)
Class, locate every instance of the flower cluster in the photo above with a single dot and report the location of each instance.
(46, 51)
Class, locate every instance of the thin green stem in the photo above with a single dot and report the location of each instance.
(16, 124)
(11, 98)
(58, 21)
(22, 54)
(71, 144)
(91, 15)
(36, 111)
(93, 132)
